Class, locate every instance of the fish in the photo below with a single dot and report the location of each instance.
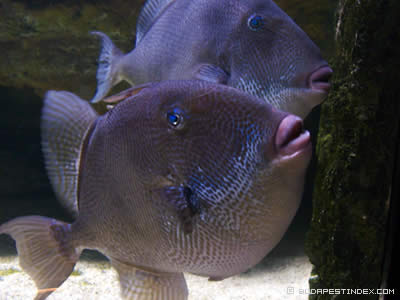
(250, 45)
(177, 176)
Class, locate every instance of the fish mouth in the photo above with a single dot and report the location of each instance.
(318, 80)
(291, 137)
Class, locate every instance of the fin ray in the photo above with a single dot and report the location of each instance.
(107, 75)
(65, 121)
(211, 73)
(43, 250)
(127, 94)
(151, 10)
(138, 284)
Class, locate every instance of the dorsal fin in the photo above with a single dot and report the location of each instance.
(65, 121)
(151, 10)
(128, 93)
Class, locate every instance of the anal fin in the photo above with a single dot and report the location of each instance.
(43, 250)
(139, 284)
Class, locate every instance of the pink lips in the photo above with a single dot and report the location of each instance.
(291, 137)
(318, 80)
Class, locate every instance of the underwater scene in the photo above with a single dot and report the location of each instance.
(199, 149)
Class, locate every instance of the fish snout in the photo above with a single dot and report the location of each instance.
(318, 80)
(291, 137)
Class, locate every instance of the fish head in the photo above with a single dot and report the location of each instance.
(219, 142)
(210, 161)
(269, 56)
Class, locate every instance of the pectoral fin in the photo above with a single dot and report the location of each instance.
(139, 284)
(185, 203)
(211, 73)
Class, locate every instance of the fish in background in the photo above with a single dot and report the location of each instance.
(181, 176)
(251, 45)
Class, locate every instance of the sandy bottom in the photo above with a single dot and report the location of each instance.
(283, 274)
(94, 278)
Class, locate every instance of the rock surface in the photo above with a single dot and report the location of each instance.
(356, 150)
(46, 44)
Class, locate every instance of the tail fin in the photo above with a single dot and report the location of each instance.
(44, 250)
(66, 120)
(107, 72)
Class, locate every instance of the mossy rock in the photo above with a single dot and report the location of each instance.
(47, 45)
(316, 18)
(356, 150)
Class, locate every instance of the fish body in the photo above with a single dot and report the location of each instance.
(183, 176)
(251, 45)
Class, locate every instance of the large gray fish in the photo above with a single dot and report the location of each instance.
(248, 44)
(183, 176)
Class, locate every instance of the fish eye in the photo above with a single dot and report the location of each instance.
(175, 117)
(255, 22)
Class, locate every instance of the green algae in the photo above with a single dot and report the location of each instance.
(49, 47)
(85, 283)
(76, 273)
(103, 265)
(10, 271)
